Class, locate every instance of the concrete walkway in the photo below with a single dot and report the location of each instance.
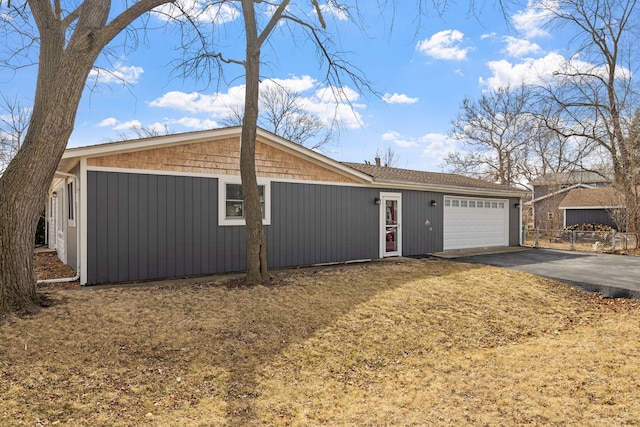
(614, 276)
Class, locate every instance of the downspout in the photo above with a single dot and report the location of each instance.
(78, 234)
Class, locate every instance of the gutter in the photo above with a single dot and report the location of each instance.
(78, 234)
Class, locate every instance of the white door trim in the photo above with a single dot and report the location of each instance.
(384, 226)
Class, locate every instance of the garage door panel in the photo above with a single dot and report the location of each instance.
(467, 226)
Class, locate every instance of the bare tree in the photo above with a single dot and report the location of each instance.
(282, 112)
(389, 158)
(596, 93)
(260, 20)
(14, 123)
(68, 39)
(143, 132)
(510, 139)
(499, 132)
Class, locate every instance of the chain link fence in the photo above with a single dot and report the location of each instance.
(579, 240)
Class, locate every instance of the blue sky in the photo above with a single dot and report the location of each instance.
(421, 70)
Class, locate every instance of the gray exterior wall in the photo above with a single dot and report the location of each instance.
(142, 227)
(313, 224)
(589, 216)
(515, 229)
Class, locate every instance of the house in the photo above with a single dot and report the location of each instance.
(172, 206)
(591, 206)
(551, 189)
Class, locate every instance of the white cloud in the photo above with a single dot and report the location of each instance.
(202, 11)
(131, 124)
(321, 102)
(110, 121)
(196, 123)
(444, 45)
(546, 69)
(120, 73)
(330, 94)
(519, 47)
(294, 84)
(397, 98)
(434, 146)
(487, 36)
(342, 111)
(532, 20)
(399, 139)
(331, 9)
(437, 146)
(217, 104)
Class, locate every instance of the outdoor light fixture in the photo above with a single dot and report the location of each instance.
(434, 203)
(377, 200)
(516, 205)
(54, 194)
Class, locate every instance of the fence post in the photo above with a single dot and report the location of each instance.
(537, 243)
(613, 241)
(573, 240)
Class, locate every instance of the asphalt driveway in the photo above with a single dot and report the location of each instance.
(615, 276)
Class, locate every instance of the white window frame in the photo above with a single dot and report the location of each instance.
(71, 199)
(222, 201)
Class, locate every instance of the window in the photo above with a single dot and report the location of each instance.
(447, 202)
(501, 205)
(487, 204)
(231, 202)
(494, 205)
(455, 203)
(71, 204)
(235, 201)
(463, 203)
(472, 203)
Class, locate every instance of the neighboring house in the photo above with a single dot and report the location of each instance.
(551, 189)
(172, 206)
(591, 206)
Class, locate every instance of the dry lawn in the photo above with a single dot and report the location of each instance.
(417, 343)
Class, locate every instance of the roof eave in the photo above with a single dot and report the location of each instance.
(591, 207)
(441, 188)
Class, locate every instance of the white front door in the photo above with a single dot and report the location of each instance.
(390, 224)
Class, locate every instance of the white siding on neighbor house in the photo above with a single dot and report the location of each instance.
(466, 225)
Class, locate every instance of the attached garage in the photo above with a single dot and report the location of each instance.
(471, 222)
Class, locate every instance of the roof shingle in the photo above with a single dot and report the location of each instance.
(385, 173)
(592, 197)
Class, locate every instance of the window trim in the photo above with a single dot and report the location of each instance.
(222, 201)
(70, 196)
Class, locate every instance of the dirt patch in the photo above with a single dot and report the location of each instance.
(47, 265)
(421, 343)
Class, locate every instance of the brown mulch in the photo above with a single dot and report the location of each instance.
(47, 265)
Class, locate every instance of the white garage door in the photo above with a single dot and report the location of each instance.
(475, 223)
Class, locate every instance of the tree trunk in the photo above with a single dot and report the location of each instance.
(256, 243)
(24, 185)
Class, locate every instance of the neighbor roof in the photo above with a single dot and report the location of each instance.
(592, 197)
(388, 174)
(575, 177)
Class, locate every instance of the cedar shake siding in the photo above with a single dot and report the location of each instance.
(221, 156)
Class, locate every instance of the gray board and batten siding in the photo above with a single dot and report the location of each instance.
(143, 227)
(589, 216)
